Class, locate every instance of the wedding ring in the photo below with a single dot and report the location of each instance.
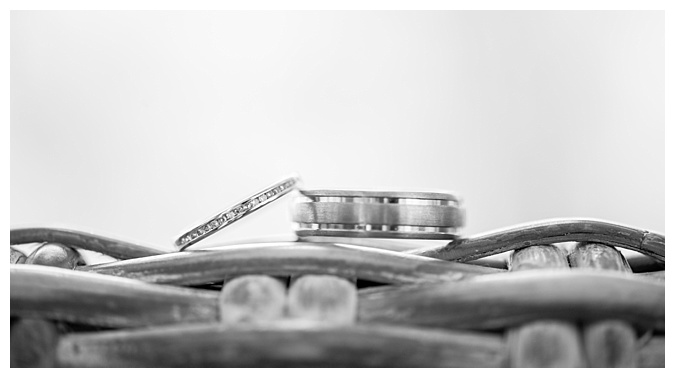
(236, 212)
(376, 214)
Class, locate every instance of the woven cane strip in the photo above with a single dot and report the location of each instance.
(299, 304)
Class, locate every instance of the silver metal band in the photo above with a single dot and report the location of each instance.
(372, 214)
(236, 212)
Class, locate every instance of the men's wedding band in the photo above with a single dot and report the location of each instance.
(377, 214)
(236, 212)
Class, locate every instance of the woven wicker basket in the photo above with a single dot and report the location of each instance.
(565, 297)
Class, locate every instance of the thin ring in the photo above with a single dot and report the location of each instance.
(236, 212)
(377, 214)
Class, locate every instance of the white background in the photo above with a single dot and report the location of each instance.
(138, 124)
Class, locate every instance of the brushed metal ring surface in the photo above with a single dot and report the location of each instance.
(234, 213)
(378, 214)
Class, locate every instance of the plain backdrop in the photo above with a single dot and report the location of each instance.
(138, 124)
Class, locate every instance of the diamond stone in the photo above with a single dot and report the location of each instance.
(214, 223)
(254, 202)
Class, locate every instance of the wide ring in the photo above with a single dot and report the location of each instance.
(376, 214)
(236, 212)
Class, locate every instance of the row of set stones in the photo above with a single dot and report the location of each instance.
(235, 212)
